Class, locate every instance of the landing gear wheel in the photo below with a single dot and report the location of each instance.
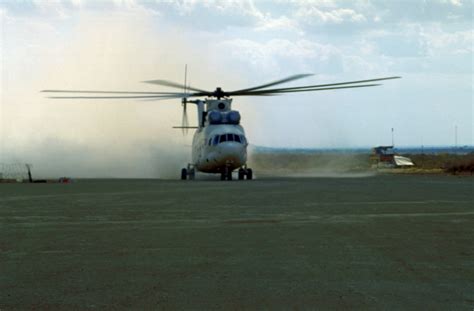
(184, 174)
(189, 172)
(241, 174)
(226, 174)
(249, 174)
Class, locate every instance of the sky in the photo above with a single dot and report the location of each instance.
(113, 45)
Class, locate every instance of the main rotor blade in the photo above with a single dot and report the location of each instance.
(285, 80)
(308, 87)
(269, 92)
(107, 92)
(118, 97)
(174, 85)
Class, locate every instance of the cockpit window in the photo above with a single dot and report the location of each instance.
(227, 137)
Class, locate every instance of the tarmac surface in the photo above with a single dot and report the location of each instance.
(381, 242)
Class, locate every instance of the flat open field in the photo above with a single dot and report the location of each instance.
(381, 242)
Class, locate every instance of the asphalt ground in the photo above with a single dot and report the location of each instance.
(382, 242)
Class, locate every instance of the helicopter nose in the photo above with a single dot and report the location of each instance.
(231, 152)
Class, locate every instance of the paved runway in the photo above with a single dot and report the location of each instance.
(381, 242)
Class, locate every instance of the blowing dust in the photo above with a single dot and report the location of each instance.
(291, 164)
(126, 138)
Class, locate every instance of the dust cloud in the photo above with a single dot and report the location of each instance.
(116, 138)
(100, 138)
(311, 164)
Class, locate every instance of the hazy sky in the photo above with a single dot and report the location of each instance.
(233, 44)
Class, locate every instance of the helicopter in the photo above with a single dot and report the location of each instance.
(219, 144)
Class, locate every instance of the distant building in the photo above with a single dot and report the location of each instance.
(385, 156)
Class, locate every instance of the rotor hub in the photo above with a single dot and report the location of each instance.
(219, 93)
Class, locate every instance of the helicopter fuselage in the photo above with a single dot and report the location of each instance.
(220, 146)
(219, 143)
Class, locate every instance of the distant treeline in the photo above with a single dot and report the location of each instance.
(401, 150)
(436, 150)
(450, 163)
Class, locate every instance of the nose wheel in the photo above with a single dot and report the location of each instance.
(226, 174)
(188, 173)
(245, 173)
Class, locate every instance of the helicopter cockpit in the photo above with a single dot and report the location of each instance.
(218, 139)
